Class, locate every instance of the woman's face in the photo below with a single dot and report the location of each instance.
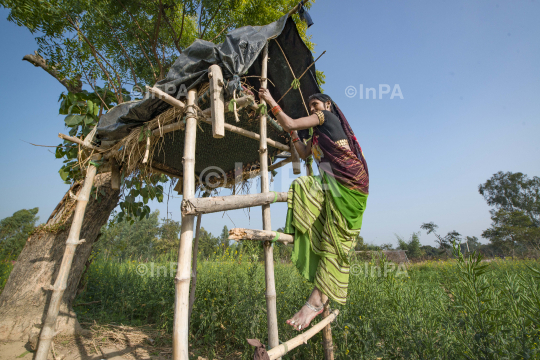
(317, 105)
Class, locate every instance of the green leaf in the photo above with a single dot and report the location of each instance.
(74, 120)
(64, 173)
(89, 107)
(262, 109)
(88, 120)
(141, 135)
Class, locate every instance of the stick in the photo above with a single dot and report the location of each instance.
(251, 134)
(260, 235)
(182, 278)
(78, 141)
(48, 331)
(280, 164)
(194, 266)
(166, 97)
(244, 101)
(214, 204)
(88, 303)
(282, 349)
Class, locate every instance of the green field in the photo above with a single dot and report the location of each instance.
(436, 310)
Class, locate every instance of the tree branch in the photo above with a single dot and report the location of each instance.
(211, 19)
(175, 39)
(38, 61)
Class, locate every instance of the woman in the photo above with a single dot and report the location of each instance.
(324, 212)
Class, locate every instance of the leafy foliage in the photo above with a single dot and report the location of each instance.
(14, 231)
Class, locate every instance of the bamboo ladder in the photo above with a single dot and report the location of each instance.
(192, 206)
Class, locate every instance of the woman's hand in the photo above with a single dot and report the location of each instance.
(265, 95)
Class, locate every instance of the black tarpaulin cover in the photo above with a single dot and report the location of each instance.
(240, 54)
(236, 56)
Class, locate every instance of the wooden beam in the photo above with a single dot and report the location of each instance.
(260, 235)
(214, 204)
(328, 346)
(242, 102)
(297, 168)
(278, 351)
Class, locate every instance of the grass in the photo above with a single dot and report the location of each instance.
(463, 309)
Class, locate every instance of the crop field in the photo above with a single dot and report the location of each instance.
(459, 309)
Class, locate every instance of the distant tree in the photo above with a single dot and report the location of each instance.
(513, 228)
(168, 236)
(445, 242)
(224, 239)
(516, 213)
(513, 192)
(412, 246)
(14, 231)
(123, 240)
(207, 243)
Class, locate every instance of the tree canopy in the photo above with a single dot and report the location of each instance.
(14, 231)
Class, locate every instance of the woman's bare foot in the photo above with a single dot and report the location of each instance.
(303, 318)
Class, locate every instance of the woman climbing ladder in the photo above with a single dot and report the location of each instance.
(325, 211)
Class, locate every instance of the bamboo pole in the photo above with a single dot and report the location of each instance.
(217, 101)
(48, 331)
(280, 164)
(166, 97)
(260, 235)
(194, 266)
(327, 336)
(297, 169)
(181, 281)
(208, 205)
(273, 337)
(282, 349)
(251, 134)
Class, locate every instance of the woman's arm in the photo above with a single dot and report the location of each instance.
(285, 120)
(304, 150)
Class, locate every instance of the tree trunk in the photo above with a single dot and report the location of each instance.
(24, 301)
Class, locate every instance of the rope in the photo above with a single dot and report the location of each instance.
(313, 63)
(295, 79)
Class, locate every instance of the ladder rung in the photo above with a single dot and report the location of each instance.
(208, 205)
(284, 348)
(259, 235)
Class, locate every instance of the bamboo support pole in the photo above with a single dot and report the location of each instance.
(217, 101)
(181, 281)
(260, 235)
(194, 266)
(282, 349)
(271, 309)
(208, 205)
(297, 168)
(328, 346)
(280, 164)
(166, 97)
(48, 331)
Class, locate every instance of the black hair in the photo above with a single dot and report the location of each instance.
(324, 98)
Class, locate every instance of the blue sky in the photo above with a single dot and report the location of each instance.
(469, 73)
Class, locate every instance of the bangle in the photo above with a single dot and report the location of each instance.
(276, 110)
(295, 140)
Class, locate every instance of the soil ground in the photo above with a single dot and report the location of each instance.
(111, 342)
